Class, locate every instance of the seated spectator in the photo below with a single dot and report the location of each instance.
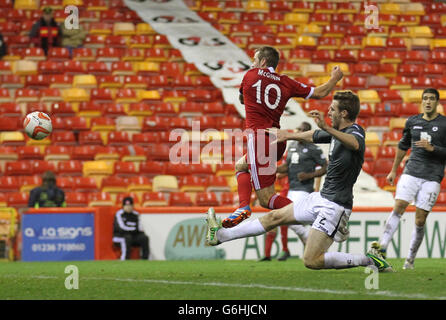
(3, 47)
(46, 33)
(48, 194)
(73, 38)
(128, 231)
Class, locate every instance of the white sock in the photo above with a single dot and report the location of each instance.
(391, 225)
(417, 238)
(243, 230)
(301, 231)
(341, 260)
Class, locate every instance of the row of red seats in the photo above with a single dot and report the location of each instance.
(120, 168)
(89, 184)
(78, 199)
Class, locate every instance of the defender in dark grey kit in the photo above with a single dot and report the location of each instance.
(305, 162)
(420, 182)
(328, 212)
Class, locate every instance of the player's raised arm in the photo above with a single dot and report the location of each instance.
(325, 89)
(285, 135)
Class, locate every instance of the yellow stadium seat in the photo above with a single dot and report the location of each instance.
(165, 183)
(296, 18)
(101, 29)
(412, 96)
(97, 168)
(420, 44)
(75, 95)
(124, 29)
(146, 66)
(374, 42)
(106, 156)
(144, 29)
(312, 30)
(40, 143)
(232, 183)
(314, 70)
(260, 6)
(72, 3)
(438, 43)
(149, 95)
(87, 81)
(397, 123)
(368, 96)
(8, 228)
(305, 41)
(420, 32)
(372, 139)
(342, 65)
(413, 9)
(11, 138)
(389, 8)
(24, 67)
(25, 5)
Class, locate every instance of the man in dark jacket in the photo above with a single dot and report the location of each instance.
(128, 231)
(3, 47)
(48, 194)
(46, 33)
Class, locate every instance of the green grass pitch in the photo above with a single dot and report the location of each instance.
(217, 280)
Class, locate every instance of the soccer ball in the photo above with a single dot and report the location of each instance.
(37, 125)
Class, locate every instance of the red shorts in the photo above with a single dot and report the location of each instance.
(262, 159)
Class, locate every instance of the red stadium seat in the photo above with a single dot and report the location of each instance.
(386, 152)
(229, 199)
(9, 184)
(152, 168)
(382, 167)
(18, 168)
(76, 199)
(391, 137)
(354, 83)
(85, 184)
(40, 166)
(409, 70)
(29, 152)
(206, 199)
(63, 138)
(85, 152)
(177, 169)
(389, 95)
(57, 153)
(217, 184)
(180, 199)
(117, 138)
(125, 169)
(151, 199)
(18, 199)
(90, 138)
(69, 168)
(408, 109)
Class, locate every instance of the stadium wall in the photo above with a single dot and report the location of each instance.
(178, 233)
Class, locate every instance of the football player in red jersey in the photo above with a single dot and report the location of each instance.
(265, 94)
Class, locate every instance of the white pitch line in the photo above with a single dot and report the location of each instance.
(262, 286)
(255, 285)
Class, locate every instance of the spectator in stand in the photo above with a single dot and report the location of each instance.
(73, 38)
(48, 194)
(3, 47)
(128, 231)
(46, 33)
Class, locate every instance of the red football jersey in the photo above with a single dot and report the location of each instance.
(266, 93)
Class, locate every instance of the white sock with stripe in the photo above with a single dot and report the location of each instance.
(341, 260)
(243, 230)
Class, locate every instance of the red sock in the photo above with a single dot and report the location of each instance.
(277, 202)
(244, 188)
(270, 236)
(284, 237)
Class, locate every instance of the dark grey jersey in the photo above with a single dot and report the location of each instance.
(344, 165)
(303, 157)
(422, 163)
